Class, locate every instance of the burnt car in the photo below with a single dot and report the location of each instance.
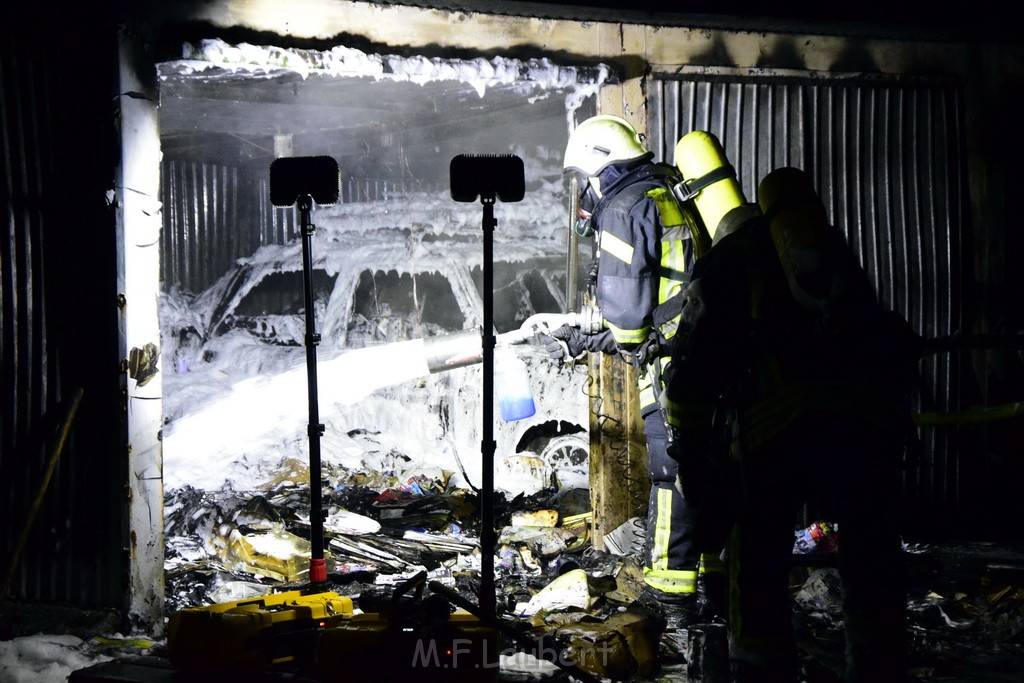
(386, 276)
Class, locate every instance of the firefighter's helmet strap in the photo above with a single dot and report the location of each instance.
(688, 189)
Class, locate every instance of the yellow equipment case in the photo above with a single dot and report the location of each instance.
(453, 648)
(320, 638)
(250, 635)
(409, 635)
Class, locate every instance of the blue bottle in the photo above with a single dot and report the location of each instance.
(512, 385)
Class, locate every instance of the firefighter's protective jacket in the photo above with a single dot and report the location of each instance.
(645, 245)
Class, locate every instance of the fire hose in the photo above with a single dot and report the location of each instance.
(451, 351)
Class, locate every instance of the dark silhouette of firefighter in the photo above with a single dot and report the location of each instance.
(788, 380)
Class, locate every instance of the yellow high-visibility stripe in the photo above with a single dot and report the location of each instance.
(669, 329)
(687, 414)
(710, 564)
(678, 581)
(668, 209)
(646, 388)
(620, 249)
(767, 418)
(662, 530)
(623, 336)
(672, 258)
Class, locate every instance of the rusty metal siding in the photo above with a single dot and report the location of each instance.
(887, 157)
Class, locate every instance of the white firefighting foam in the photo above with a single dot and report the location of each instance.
(234, 419)
(540, 76)
(231, 421)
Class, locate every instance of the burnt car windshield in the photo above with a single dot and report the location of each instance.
(520, 291)
(391, 306)
(282, 293)
(273, 311)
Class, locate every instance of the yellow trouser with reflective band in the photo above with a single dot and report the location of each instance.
(658, 576)
(711, 564)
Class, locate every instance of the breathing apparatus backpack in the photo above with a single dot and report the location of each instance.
(710, 183)
(821, 270)
(707, 190)
(837, 333)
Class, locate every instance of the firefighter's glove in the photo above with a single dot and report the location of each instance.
(602, 342)
(568, 343)
(565, 343)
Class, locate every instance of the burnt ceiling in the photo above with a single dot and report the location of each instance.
(381, 127)
(983, 21)
(237, 120)
(234, 118)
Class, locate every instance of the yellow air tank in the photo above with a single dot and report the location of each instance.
(710, 179)
(799, 225)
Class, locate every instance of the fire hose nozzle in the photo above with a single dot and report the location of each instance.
(588, 319)
(456, 350)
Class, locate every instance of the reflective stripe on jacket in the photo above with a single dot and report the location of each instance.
(645, 245)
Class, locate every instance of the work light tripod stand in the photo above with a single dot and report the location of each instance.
(493, 177)
(489, 177)
(302, 181)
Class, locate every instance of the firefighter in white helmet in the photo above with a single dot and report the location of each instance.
(646, 243)
(781, 332)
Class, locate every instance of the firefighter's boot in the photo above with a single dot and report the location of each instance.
(712, 603)
(679, 611)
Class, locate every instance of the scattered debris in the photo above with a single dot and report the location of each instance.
(275, 553)
(966, 609)
(818, 537)
(627, 538)
(566, 592)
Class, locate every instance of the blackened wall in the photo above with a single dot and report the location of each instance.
(58, 330)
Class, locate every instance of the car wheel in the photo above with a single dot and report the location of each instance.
(568, 457)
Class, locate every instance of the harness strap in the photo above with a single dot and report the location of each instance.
(688, 189)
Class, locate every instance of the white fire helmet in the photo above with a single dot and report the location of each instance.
(599, 141)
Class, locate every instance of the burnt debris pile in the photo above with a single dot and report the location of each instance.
(965, 612)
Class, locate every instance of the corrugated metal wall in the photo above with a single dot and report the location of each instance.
(58, 320)
(200, 237)
(888, 161)
(887, 158)
(215, 214)
(28, 377)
